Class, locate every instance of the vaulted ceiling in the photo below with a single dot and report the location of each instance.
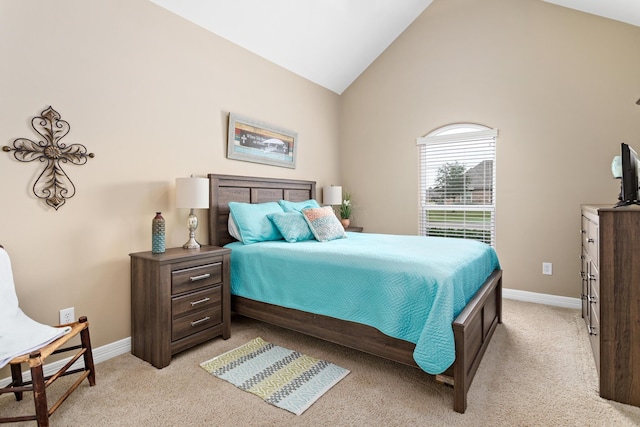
(331, 42)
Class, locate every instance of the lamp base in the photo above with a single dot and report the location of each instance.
(193, 224)
(191, 244)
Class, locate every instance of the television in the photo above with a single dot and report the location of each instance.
(629, 179)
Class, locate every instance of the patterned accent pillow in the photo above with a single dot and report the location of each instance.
(324, 224)
(288, 206)
(292, 226)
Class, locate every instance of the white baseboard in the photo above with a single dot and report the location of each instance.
(123, 346)
(100, 354)
(545, 299)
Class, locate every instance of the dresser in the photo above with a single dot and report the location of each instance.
(179, 298)
(611, 297)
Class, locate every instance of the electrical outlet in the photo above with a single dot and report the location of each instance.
(547, 268)
(67, 315)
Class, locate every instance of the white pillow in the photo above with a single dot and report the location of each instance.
(233, 230)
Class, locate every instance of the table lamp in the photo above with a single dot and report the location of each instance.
(332, 195)
(192, 193)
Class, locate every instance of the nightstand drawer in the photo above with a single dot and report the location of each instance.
(201, 276)
(196, 301)
(195, 322)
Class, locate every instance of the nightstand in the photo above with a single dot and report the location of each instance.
(354, 229)
(179, 298)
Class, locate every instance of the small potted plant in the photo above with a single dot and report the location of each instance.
(345, 210)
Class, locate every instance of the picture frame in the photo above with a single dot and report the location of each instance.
(254, 141)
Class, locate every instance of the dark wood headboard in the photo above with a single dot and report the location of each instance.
(229, 188)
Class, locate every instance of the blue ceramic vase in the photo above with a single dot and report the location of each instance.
(157, 234)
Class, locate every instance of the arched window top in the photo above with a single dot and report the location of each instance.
(458, 132)
(457, 128)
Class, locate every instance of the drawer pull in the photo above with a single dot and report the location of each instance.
(590, 240)
(197, 322)
(200, 277)
(200, 301)
(592, 330)
(592, 277)
(593, 300)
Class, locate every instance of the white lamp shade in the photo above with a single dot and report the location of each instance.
(192, 193)
(332, 195)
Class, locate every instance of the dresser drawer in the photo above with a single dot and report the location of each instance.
(196, 301)
(592, 241)
(201, 276)
(594, 333)
(195, 322)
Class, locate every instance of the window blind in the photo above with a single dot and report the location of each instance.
(457, 182)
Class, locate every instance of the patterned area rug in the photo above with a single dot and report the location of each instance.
(284, 378)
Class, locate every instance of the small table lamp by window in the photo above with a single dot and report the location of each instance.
(616, 171)
(616, 167)
(332, 195)
(192, 193)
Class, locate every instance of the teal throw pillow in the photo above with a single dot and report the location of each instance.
(292, 226)
(288, 206)
(252, 223)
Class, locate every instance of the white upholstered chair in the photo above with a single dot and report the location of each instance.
(23, 340)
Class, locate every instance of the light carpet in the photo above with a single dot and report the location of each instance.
(538, 371)
(284, 378)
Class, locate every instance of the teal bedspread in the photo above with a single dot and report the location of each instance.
(408, 287)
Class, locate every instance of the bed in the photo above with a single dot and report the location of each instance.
(472, 328)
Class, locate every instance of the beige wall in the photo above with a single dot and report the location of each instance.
(149, 94)
(559, 85)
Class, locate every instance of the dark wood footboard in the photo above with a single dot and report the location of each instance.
(472, 329)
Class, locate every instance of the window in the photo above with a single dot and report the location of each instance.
(457, 182)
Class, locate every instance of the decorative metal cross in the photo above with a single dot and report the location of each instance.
(53, 184)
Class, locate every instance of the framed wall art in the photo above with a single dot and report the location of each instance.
(253, 141)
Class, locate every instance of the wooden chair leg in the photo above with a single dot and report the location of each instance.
(39, 382)
(88, 354)
(39, 393)
(16, 379)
